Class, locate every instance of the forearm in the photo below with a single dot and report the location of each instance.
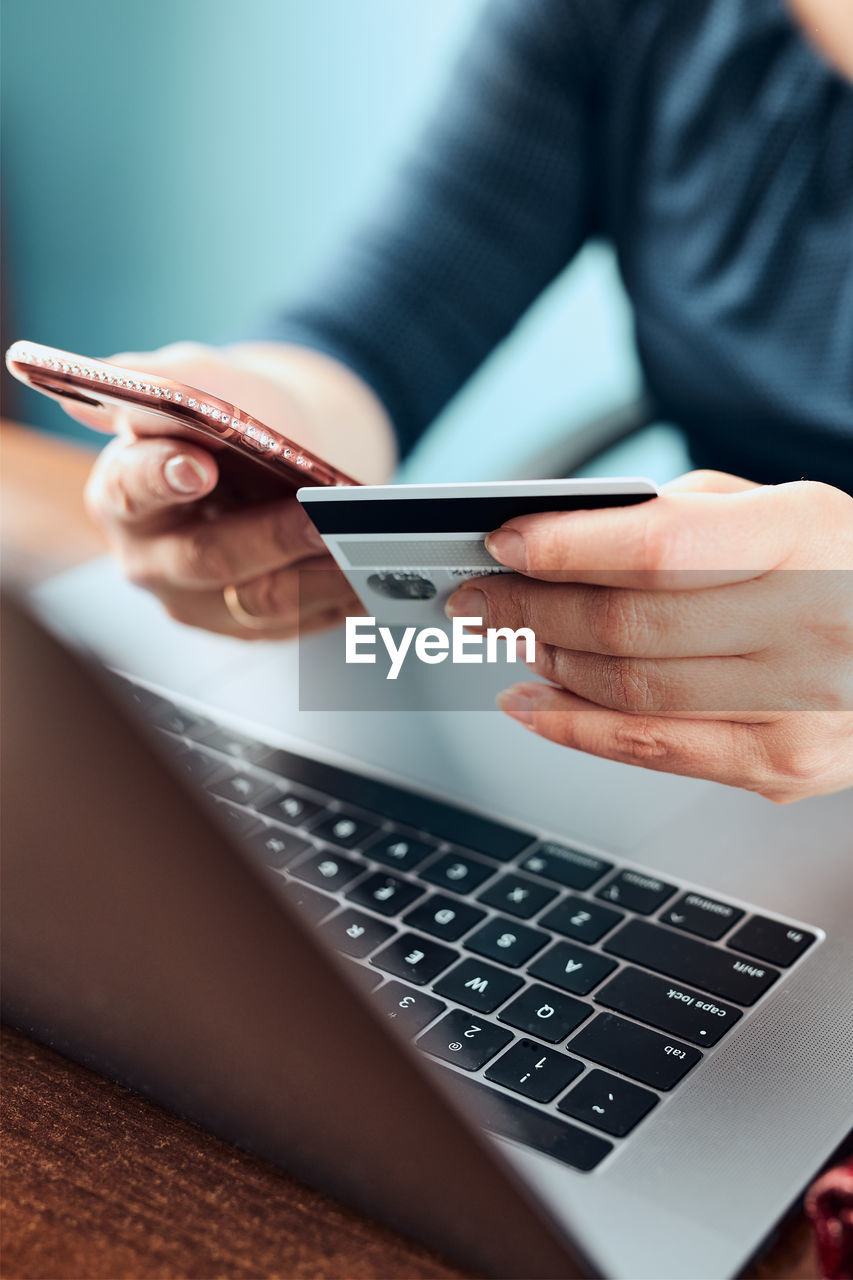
(349, 423)
(487, 208)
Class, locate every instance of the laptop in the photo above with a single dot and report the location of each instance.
(550, 1015)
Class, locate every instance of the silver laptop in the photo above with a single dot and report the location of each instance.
(639, 987)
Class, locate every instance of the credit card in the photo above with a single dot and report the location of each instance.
(406, 548)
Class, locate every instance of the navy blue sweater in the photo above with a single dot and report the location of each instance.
(707, 140)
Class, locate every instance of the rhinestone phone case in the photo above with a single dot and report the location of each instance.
(193, 412)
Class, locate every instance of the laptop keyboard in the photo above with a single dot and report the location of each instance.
(566, 994)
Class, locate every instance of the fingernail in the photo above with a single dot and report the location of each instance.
(467, 603)
(520, 701)
(184, 475)
(508, 547)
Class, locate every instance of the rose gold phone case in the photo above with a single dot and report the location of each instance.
(198, 415)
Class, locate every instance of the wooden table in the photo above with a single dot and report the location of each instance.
(99, 1183)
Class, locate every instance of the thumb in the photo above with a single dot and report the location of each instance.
(708, 482)
(180, 361)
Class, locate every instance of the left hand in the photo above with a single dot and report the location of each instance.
(708, 632)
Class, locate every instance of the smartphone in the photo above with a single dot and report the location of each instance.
(178, 410)
(405, 548)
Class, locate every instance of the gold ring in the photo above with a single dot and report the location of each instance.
(242, 616)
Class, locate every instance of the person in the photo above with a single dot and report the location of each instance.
(708, 633)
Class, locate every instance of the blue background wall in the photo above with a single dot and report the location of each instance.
(174, 168)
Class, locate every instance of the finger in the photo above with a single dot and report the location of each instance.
(187, 362)
(719, 750)
(299, 593)
(708, 482)
(724, 687)
(236, 547)
(616, 620)
(135, 481)
(680, 540)
(100, 417)
(208, 611)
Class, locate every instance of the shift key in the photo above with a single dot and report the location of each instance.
(695, 963)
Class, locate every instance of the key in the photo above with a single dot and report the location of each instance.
(529, 1126)
(409, 1010)
(235, 745)
(468, 1042)
(538, 1073)
(385, 894)
(241, 788)
(636, 891)
(458, 872)
(771, 940)
(276, 846)
(703, 916)
(518, 895)
(356, 934)
(608, 1103)
(326, 870)
(633, 1051)
(506, 940)
(662, 1004)
(696, 963)
(292, 809)
(196, 764)
(478, 985)
(309, 902)
(367, 979)
(565, 866)
(573, 968)
(185, 723)
(414, 958)
(240, 822)
(345, 829)
(143, 701)
(398, 851)
(445, 918)
(577, 918)
(542, 1012)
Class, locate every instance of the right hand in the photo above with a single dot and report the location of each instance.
(155, 498)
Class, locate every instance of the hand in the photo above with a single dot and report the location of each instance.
(708, 632)
(156, 498)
